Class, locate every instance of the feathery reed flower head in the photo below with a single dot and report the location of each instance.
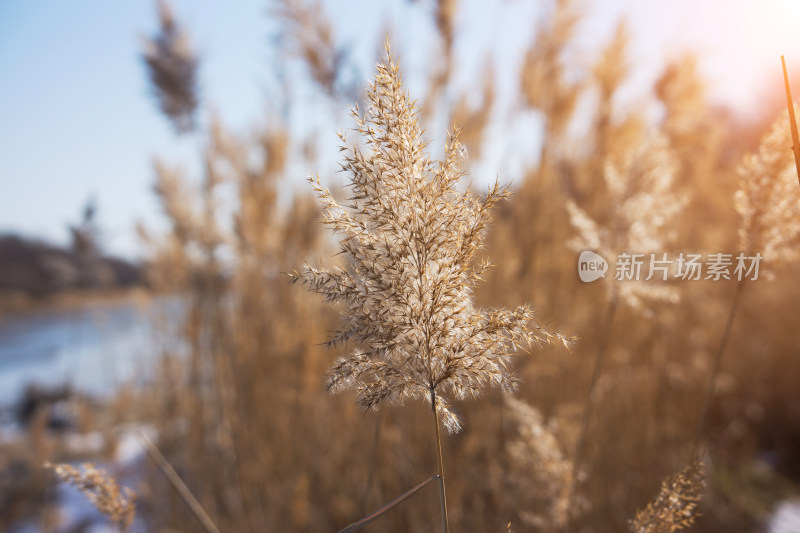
(539, 472)
(675, 507)
(445, 22)
(308, 35)
(411, 238)
(101, 489)
(544, 82)
(173, 70)
(769, 198)
(473, 119)
(682, 91)
(641, 209)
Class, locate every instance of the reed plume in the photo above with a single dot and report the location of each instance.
(411, 238)
(172, 66)
(100, 489)
(680, 88)
(540, 474)
(675, 507)
(308, 35)
(543, 79)
(641, 209)
(768, 198)
(768, 201)
(473, 120)
(446, 11)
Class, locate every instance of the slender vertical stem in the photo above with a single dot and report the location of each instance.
(717, 364)
(373, 463)
(442, 492)
(792, 120)
(596, 373)
(588, 410)
(367, 520)
(178, 483)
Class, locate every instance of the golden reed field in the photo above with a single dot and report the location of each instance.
(652, 385)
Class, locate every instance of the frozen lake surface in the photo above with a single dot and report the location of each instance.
(94, 349)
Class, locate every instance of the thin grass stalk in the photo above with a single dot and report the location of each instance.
(588, 410)
(596, 373)
(792, 120)
(173, 477)
(442, 491)
(373, 462)
(363, 522)
(717, 365)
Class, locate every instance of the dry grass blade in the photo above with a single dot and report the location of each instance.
(178, 483)
(712, 379)
(597, 370)
(355, 526)
(792, 120)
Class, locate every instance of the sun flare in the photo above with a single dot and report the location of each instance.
(790, 8)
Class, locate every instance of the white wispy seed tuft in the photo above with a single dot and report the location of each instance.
(411, 237)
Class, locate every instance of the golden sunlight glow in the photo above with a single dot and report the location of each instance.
(790, 8)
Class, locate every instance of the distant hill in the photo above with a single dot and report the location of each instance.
(38, 269)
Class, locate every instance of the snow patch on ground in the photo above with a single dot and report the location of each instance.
(786, 518)
(129, 444)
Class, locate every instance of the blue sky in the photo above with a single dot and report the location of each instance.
(77, 119)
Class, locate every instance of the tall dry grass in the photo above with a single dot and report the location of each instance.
(244, 415)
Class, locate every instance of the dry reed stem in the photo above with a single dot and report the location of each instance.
(792, 120)
(178, 483)
(363, 522)
(717, 365)
(439, 462)
(597, 370)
